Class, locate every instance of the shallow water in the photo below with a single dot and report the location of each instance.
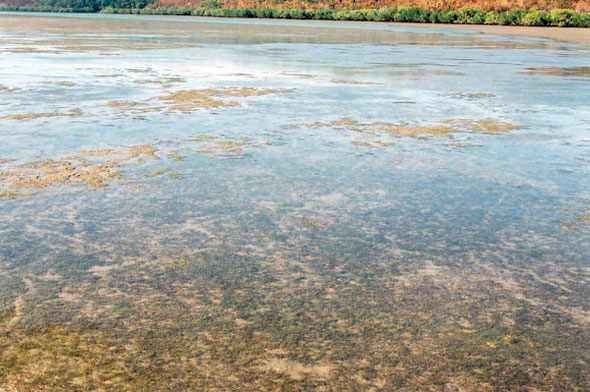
(323, 206)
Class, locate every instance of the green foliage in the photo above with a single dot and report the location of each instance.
(532, 17)
(470, 16)
(444, 16)
(582, 20)
(411, 14)
(536, 18)
(562, 18)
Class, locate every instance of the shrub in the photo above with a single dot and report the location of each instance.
(582, 20)
(536, 18)
(470, 16)
(562, 18)
(443, 17)
(411, 14)
(387, 14)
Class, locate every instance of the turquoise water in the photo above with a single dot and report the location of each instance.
(315, 217)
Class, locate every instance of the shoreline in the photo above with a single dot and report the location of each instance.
(576, 35)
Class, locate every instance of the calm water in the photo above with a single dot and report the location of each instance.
(203, 204)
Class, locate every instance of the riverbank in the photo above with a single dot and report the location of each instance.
(463, 16)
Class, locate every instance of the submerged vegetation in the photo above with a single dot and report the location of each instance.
(447, 129)
(313, 241)
(94, 168)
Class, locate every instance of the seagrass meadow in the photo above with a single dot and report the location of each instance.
(203, 204)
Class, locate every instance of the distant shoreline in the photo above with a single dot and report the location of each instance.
(462, 16)
(578, 35)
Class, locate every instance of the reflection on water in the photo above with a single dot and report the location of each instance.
(201, 205)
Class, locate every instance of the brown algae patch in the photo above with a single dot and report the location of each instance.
(64, 84)
(9, 195)
(558, 71)
(352, 82)
(466, 331)
(201, 138)
(49, 173)
(61, 358)
(95, 168)
(122, 104)
(144, 150)
(370, 143)
(243, 92)
(487, 126)
(298, 75)
(296, 370)
(186, 101)
(585, 219)
(4, 89)
(30, 116)
(189, 100)
(229, 148)
(96, 153)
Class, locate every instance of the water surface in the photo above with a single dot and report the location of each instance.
(204, 204)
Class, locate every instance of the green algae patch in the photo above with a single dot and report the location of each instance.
(154, 173)
(514, 340)
(181, 262)
(175, 157)
(585, 219)
(312, 223)
(274, 236)
(570, 227)
(473, 95)
(176, 176)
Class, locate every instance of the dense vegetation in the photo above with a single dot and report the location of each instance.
(532, 17)
(465, 15)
